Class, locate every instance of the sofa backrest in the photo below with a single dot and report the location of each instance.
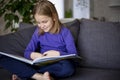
(99, 44)
(15, 43)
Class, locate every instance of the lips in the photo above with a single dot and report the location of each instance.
(45, 29)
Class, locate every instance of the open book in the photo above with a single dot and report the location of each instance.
(40, 61)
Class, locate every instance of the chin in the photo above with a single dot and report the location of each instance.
(46, 30)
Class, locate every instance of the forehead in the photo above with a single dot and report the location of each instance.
(41, 17)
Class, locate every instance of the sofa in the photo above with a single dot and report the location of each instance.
(98, 43)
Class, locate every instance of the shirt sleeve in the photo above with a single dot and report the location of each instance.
(69, 42)
(31, 47)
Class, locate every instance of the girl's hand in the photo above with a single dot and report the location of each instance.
(35, 55)
(51, 53)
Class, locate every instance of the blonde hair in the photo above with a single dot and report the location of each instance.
(45, 7)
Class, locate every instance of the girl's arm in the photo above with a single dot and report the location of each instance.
(32, 46)
(69, 42)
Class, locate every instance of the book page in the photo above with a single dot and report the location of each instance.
(43, 60)
(56, 58)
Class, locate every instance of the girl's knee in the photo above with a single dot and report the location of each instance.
(66, 70)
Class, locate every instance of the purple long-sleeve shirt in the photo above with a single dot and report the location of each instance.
(62, 42)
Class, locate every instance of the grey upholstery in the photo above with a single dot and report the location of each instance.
(97, 43)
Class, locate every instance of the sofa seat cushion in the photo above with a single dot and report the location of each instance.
(5, 75)
(99, 44)
(95, 74)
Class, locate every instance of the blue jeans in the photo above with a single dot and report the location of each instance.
(60, 69)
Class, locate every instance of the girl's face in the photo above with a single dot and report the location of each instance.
(44, 22)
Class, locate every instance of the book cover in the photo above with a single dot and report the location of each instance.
(41, 61)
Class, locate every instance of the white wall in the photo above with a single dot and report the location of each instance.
(59, 4)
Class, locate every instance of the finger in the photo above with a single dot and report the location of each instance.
(44, 54)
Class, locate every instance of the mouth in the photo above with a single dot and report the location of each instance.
(45, 29)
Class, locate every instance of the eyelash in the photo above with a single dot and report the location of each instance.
(44, 21)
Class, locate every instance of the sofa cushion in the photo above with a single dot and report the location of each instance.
(5, 74)
(99, 44)
(15, 43)
(94, 74)
(74, 27)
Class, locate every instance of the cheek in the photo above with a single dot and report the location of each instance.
(50, 24)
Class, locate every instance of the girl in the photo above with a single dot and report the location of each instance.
(53, 39)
